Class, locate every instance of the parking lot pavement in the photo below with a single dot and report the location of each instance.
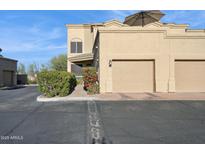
(23, 120)
(153, 121)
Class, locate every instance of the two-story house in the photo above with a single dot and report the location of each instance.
(157, 57)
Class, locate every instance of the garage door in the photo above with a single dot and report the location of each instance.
(133, 76)
(190, 76)
(8, 78)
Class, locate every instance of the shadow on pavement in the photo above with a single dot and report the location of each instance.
(13, 87)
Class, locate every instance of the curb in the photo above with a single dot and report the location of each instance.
(31, 85)
(18, 86)
(42, 98)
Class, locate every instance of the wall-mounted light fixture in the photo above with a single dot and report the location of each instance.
(110, 63)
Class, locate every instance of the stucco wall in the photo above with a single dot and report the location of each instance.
(161, 44)
(82, 32)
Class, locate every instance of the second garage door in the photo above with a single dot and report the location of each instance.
(190, 76)
(8, 78)
(133, 76)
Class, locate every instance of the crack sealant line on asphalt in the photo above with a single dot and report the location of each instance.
(95, 130)
(24, 119)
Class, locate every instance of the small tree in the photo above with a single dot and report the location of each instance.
(21, 69)
(59, 63)
(33, 69)
(44, 67)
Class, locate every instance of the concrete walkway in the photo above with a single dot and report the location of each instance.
(151, 96)
(79, 94)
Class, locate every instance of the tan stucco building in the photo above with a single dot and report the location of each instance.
(8, 68)
(158, 57)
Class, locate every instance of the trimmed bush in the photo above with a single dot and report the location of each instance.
(80, 80)
(90, 79)
(56, 83)
(94, 89)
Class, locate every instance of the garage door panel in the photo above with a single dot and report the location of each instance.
(190, 76)
(8, 78)
(133, 76)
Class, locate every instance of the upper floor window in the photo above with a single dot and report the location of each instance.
(76, 46)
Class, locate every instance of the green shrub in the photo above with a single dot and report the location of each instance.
(90, 79)
(56, 83)
(79, 80)
(89, 76)
(94, 89)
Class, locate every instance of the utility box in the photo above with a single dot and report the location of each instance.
(22, 79)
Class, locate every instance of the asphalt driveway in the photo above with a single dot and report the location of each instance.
(154, 121)
(23, 120)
